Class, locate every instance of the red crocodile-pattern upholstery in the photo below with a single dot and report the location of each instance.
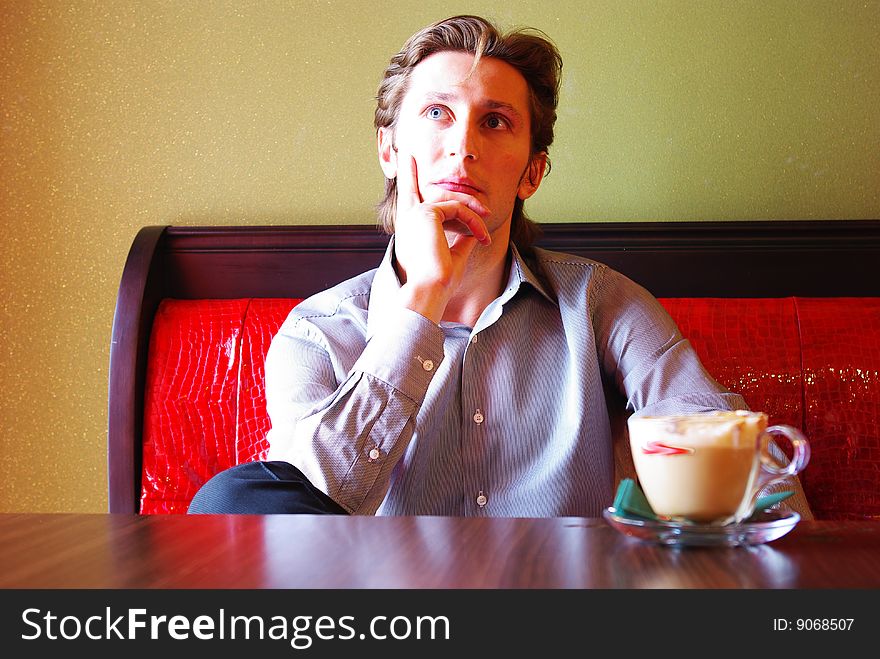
(264, 317)
(751, 346)
(189, 414)
(810, 363)
(204, 407)
(841, 365)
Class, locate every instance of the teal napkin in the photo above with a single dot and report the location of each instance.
(630, 501)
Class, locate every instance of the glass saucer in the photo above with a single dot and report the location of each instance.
(762, 527)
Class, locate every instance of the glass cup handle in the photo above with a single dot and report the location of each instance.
(770, 473)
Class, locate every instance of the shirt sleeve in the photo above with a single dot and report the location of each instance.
(656, 368)
(347, 434)
(642, 350)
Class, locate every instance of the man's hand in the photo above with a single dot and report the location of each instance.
(433, 264)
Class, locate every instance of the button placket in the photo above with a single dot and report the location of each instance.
(478, 416)
(474, 429)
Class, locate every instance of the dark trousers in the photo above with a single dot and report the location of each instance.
(262, 488)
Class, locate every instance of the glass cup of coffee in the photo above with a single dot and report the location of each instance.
(710, 467)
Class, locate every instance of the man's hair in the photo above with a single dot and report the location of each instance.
(528, 51)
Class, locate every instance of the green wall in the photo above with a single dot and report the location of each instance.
(116, 115)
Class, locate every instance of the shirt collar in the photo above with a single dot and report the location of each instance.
(521, 273)
(386, 285)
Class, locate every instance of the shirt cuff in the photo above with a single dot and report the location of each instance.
(405, 352)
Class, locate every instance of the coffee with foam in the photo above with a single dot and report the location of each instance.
(702, 467)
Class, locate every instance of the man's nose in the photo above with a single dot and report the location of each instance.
(463, 141)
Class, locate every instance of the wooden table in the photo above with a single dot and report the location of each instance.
(289, 551)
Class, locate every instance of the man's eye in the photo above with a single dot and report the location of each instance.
(494, 121)
(434, 113)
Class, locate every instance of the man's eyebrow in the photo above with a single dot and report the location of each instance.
(491, 104)
(501, 105)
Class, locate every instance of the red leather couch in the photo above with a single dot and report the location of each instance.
(198, 307)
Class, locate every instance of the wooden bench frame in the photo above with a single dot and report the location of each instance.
(672, 259)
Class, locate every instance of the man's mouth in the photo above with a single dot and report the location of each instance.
(455, 184)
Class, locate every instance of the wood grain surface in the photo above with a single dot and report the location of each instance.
(303, 551)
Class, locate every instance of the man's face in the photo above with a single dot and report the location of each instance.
(469, 134)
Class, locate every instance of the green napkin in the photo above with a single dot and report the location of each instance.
(630, 501)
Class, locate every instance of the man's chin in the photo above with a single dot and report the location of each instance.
(455, 232)
(497, 231)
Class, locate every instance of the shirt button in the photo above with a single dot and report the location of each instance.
(374, 454)
(478, 417)
(428, 365)
(482, 500)
(474, 340)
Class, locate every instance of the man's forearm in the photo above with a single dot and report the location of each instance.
(346, 437)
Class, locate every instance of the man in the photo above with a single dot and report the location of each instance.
(465, 375)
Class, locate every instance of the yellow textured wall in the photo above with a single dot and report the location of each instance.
(116, 115)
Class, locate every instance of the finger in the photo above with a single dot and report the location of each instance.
(408, 194)
(456, 211)
(472, 203)
(415, 193)
(468, 200)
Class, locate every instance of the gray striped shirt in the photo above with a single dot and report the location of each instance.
(389, 413)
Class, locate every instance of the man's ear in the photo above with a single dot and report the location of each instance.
(533, 176)
(387, 152)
